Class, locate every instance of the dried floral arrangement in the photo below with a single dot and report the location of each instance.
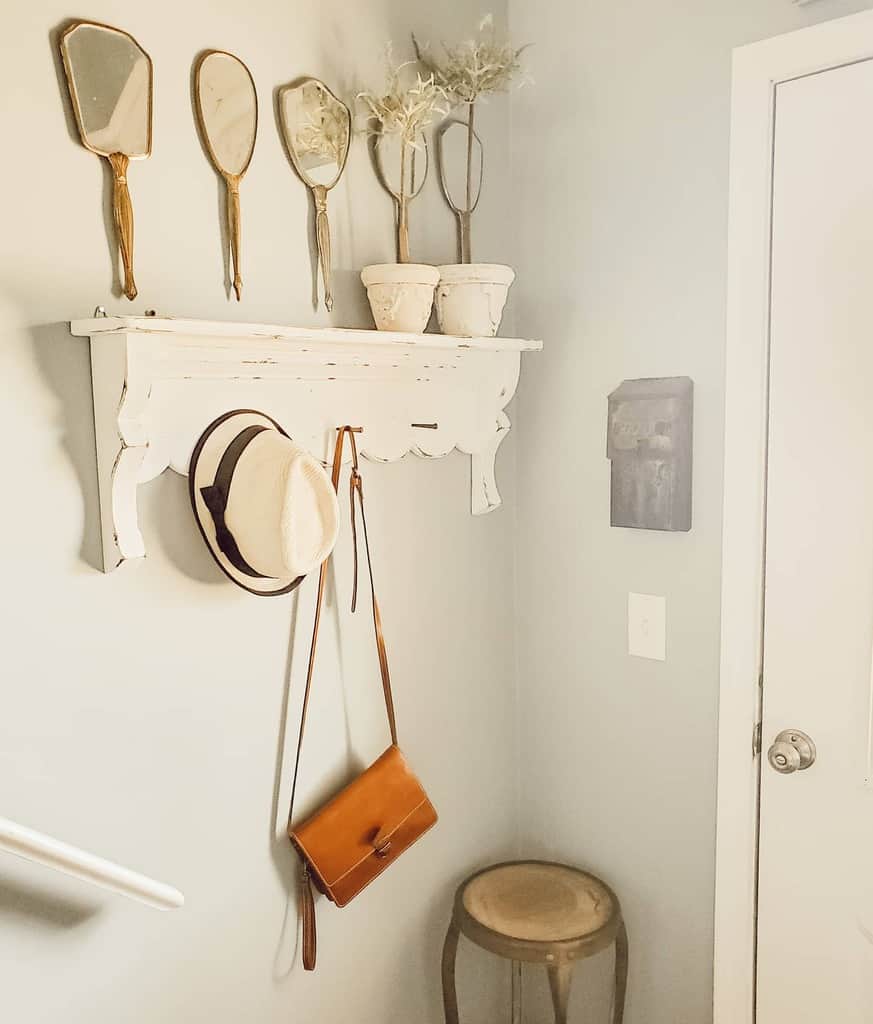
(404, 109)
(469, 72)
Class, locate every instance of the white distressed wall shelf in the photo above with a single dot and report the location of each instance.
(158, 383)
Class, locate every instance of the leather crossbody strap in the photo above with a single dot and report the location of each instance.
(355, 487)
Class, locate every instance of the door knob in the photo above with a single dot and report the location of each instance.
(792, 751)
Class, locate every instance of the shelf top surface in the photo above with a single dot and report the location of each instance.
(243, 332)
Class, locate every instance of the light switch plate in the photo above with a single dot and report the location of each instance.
(647, 626)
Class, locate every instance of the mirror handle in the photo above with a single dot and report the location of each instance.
(122, 211)
(233, 229)
(403, 229)
(322, 237)
(464, 219)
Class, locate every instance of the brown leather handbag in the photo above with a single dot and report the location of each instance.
(353, 838)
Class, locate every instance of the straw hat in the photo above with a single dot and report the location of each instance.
(265, 506)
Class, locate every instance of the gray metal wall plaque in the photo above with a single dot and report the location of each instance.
(649, 441)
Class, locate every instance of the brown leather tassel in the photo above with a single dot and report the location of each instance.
(310, 937)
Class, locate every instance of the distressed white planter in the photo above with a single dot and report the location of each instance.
(401, 295)
(470, 298)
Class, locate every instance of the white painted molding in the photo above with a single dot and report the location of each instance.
(758, 71)
(158, 383)
(52, 853)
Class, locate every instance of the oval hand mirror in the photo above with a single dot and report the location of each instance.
(227, 111)
(460, 160)
(402, 169)
(110, 80)
(317, 128)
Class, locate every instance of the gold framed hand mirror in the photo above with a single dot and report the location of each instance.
(317, 129)
(110, 78)
(227, 112)
(461, 163)
(399, 169)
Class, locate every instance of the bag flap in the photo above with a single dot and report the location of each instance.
(361, 818)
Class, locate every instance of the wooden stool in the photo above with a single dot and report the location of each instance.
(540, 913)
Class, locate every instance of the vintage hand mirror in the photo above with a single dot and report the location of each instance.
(399, 167)
(227, 109)
(317, 129)
(461, 160)
(110, 80)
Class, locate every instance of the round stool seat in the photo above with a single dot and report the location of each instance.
(538, 902)
(537, 912)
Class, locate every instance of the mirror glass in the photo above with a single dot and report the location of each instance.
(317, 127)
(452, 157)
(110, 78)
(391, 161)
(228, 108)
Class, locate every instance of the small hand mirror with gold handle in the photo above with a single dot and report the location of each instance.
(402, 168)
(317, 129)
(110, 80)
(458, 148)
(227, 111)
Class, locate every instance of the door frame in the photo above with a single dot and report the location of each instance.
(757, 71)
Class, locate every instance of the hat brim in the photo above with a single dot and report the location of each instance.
(205, 458)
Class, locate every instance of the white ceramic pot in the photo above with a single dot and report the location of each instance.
(401, 295)
(470, 298)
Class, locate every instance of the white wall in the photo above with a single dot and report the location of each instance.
(620, 151)
(141, 713)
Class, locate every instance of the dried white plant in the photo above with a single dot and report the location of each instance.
(404, 109)
(468, 72)
(475, 68)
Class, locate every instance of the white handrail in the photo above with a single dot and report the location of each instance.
(43, 849)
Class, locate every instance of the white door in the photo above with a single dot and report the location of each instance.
(815, 895)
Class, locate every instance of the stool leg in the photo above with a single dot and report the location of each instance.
(516, 992)
(560, 976)
(621, 962)
(450, 994)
